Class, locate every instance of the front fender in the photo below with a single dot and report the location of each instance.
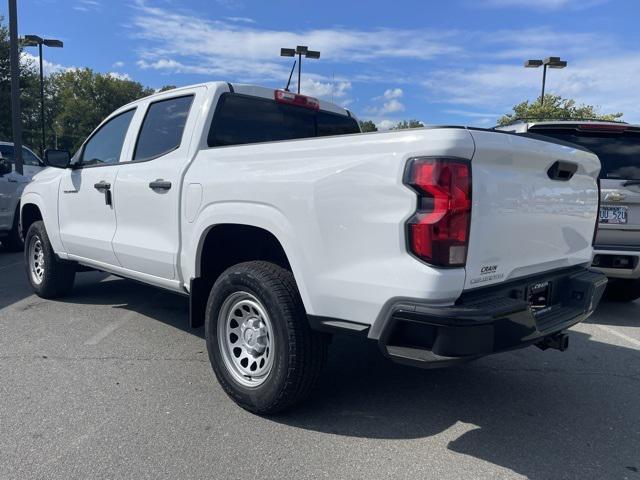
(49, 213)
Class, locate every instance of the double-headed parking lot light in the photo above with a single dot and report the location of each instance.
(550, 62)
(36, 41)
(300, 50)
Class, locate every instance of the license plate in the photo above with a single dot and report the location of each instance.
(538, 295)
(613, 215)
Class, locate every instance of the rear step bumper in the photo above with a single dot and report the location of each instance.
(490, 320)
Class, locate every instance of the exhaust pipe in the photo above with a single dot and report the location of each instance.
(559, 341)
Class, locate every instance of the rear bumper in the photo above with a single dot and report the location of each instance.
(488, 320)
(617, 261)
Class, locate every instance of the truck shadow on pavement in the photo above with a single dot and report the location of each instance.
(540, 414)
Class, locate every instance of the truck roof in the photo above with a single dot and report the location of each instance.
(246, 89)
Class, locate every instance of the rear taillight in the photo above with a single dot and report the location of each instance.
(281, 96)
(438, 233)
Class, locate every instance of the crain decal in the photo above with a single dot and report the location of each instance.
(488, 269)
(487, 274)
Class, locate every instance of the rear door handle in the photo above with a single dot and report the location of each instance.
(160, 185)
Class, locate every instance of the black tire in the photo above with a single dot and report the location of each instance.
(58, 276)
(622, 290)
(298, 352)
(14, 241)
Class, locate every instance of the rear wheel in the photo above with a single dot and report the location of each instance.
(622, 290)
(14, 242)
(263, 352)
(49, 277)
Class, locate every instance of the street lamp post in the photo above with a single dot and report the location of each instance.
(32, 41)
(300, 50)
(16, 120)
(550, 62)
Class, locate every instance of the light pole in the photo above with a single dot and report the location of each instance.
(300, 50)
(32, 41)
(551, 62)
(16, 119)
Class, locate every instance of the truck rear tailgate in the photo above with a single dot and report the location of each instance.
(527, 216)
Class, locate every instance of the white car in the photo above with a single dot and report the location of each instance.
(617, 144)
(31, 163)
(283, 223)
(11, 186)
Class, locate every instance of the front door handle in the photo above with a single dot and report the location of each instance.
(160, 184)
(104, 187)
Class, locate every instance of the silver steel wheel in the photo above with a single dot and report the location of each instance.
(245, 338)
(36, 260)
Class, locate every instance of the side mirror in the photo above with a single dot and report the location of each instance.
(5, 167)
(57, 158)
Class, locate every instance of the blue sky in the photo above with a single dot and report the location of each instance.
(453, 62)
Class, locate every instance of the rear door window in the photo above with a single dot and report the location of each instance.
(619, 152)
(162, 127)
(241, 119)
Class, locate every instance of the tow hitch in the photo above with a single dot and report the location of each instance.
(559, 341)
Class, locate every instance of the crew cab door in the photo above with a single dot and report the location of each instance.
(147, 191)
(87, 215)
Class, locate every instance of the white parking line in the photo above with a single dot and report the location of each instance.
(631, 340)
(109, 329)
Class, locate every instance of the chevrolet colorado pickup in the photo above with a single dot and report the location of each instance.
(284, 224)
(617, 144)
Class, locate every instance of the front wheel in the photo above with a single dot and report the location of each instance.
(49, 277)
(622, 290)
(263, 352)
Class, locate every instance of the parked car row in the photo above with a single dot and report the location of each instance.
(284, 225)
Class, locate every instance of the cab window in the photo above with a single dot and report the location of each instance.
(105, 146)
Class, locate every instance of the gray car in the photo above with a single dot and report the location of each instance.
(11, 186)
(617, 243)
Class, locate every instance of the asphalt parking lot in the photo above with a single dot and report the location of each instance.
(112, 383)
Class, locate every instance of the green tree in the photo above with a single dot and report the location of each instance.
(80, 99)
(555, 107)
(167, 88)
(368, 126)
(408, 124)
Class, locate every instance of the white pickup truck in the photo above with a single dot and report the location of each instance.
(283, 223)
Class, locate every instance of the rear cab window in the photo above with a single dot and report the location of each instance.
(243, 119)
(618, 148)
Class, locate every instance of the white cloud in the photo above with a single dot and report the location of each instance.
(385, 124)
(393, 93)
(500, 87)
(119, 76)
(325, 90)
(87, 6)
(241, 51)
(118, 64)
(47, 66)
(546, 4)
(240, 19)
(391, 105)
